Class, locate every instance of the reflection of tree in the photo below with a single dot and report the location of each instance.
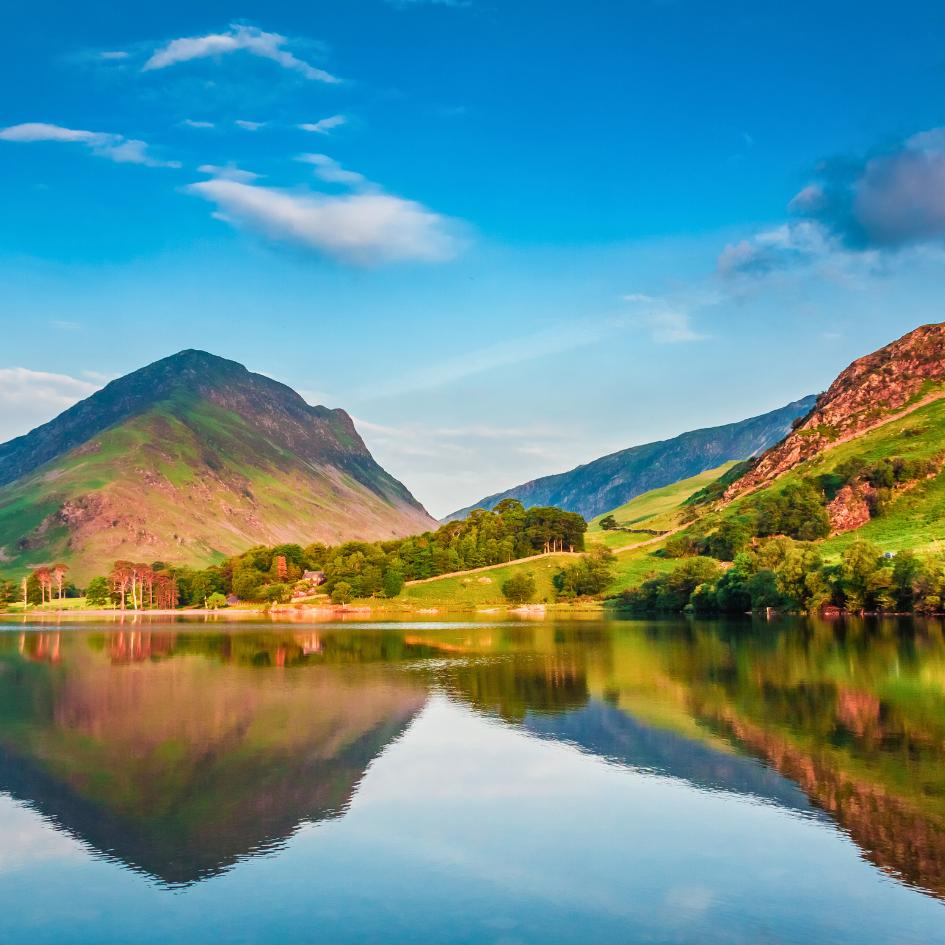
(180, 766)
(515, 685)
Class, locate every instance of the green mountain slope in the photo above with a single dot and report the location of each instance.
(189, 460)
(655, 510)
(613, 480)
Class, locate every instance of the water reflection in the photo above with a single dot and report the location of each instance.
(178, 751)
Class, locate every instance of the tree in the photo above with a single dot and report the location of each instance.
(44, 577)
(200, 588)
(589, 575)
(96, 594)
(59, 572)
(393, 583)
(860, 560)
(120, 578)
(520, 587)
(216, 600)
(608, 522)
(341, 593)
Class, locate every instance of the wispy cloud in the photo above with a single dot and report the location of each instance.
(562, 337)
(119, 54)
(249, 125)
(446, 466)
(331, 171)
(230, 172)
(666, 319)
(198, 124)
(247, 38)
(114, 147)
(362, 229)
(325, 125)
(29, 398)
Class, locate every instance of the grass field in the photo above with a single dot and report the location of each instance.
(657, 509)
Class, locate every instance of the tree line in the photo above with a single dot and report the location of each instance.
(354, 569)
(358, 569)
(791, 575)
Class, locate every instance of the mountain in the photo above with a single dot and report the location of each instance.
(188, 460)
(613, 480)
(889, 383)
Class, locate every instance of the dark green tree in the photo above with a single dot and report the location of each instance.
(519, 588)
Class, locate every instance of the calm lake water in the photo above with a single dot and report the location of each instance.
(536, 781)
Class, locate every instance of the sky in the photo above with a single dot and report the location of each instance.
(506, 237)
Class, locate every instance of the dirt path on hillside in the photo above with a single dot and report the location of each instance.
(490, 567)
(650, 541)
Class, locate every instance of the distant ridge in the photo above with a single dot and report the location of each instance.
(613, 480)
(187, 461)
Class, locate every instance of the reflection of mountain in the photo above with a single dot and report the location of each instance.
(182, 766)
(893, 834)
(611, 733)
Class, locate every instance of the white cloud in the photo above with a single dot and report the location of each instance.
(114, 147)
(637, 297)
(362, 229)
(331, 171)
(250, 125)
(29, 398)
(114, 55)
(248, 38)
(323, 126)
(673, 327)
(198, 124)
(230, 172)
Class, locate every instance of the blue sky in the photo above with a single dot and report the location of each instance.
(507, 238)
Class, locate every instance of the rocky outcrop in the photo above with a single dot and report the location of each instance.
(871, 391)
(850, 509)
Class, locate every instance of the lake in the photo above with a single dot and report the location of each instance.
(472, 780)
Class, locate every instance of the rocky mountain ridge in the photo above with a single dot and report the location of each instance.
(874, 390)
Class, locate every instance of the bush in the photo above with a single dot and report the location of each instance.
(588, 576)
(682, 546)
(96, 594)
(608, 522)
(519, 588)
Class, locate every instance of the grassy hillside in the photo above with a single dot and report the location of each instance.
(658, 509)
(915, 517)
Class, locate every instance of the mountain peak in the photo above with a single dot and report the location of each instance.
(198, 373)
